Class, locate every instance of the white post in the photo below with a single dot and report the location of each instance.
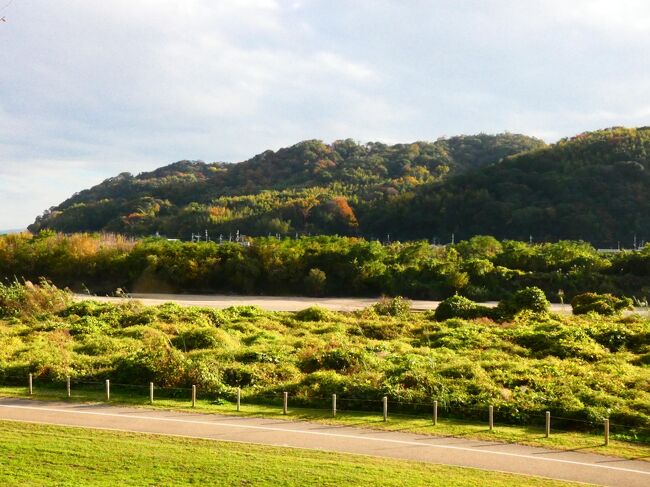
(607, 432)
(285, 403)
(435, 413)
(193, 396)
(238, 399)
(548, 424)
(385, 403)
(491, 417)
(108, 390)
(334, 405)
(151, 392)
(67, 386)
(31, 388)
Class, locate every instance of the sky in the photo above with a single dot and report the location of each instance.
(93, 88)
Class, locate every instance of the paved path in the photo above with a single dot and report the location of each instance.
(277, 303)
(571, 465)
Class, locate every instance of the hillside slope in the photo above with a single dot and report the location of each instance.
(309, 187)
(593, 186)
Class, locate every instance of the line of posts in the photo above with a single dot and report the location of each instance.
(285, 405)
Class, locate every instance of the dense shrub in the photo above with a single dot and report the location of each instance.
(313, 313)
(397, 306)
(196, 338)
(88, 325)
(481, 268)
(29, 300)
(530, 299)
(577, 367)
(602, 304)
(460, 307)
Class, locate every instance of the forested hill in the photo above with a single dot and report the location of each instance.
(309, 187)
(593, 186)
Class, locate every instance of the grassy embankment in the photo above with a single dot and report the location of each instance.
(54, 455)
(525, 435)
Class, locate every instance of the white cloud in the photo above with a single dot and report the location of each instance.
(92, 88)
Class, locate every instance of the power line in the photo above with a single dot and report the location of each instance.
(6, 5)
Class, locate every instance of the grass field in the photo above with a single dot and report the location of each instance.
(526, 435)
(53, 455)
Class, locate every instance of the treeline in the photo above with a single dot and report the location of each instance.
(481, 268)
(310, 187)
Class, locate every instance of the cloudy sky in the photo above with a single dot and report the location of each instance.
(92, 88)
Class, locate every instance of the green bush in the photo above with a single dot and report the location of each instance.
(397, 306)
(88, 325)
(316, 282)
(602, 304)
(460, 307)
(313, 313)
(29, 300)
(196, 338)
(530, 299)
(87, 308)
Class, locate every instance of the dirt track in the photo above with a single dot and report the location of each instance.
(562, 465)
(278, 303)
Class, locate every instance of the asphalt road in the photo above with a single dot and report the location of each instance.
(561, 465)
(277, 303)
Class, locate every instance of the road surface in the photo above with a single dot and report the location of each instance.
(561, 465)
(277, 303)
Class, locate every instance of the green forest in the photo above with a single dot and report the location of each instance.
(481, 268)
(589, 187)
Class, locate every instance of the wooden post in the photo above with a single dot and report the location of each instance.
(607, 432)
(548, 424)
(151, 392)
(435, 413)
(67, 386)
(108, 390)
(193, 396)
(285, 403)
(238, 399)
(385, 404)
(334, 405)
(30, 384)
(491, 417)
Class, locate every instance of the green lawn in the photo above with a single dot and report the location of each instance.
(534, 436)
(52, 455)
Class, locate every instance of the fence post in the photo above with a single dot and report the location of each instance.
(67, 386)
(334, 405)
(238, 399)
(108, 390)
(607, 432)
(285, 402)
(435, 413)
(151, 392)
(385, 403)
(30, 385)
(491, 417)
(193, 396)
(548, 424)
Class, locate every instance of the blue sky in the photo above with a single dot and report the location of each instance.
(91, 88)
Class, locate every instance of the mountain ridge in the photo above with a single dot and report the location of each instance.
(591, 186)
